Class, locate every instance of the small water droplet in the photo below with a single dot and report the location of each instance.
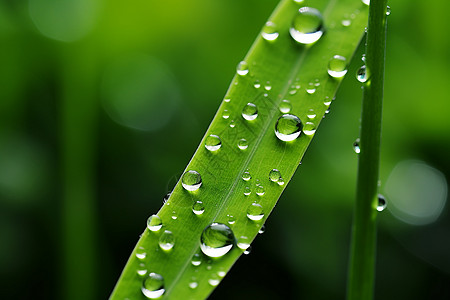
(226, 114)
(250, 112)
(166, 197)
(268, 87)
(361, 74)
(363, 58)
(196, 260)
(337, 66)
(280, 181)
(381, 203)
(256, 84)
(191, 180)
(153, 286)
(216, 240)
(366, 2)
(227, 99)
(356, 147)
(327, 101)
(213, 142)
(243, 242)
(174, 215)
(140, 253)
(274, 175)
(242, 144)
(166, 240)
(288, 128)
(198, 208)
(311, 89)
(388, 10)
(142, 270)
(255, 212)
(231, 219)
(311, 114)
(248, 250)
(242, 68)
(246, 176)
(247, 191)
(262, 229)
(298, 1)
(346, 22)
(221, 273)
(232, 125)
(309, 128)
(260, 190)
(193, 284)
(214, 280)
(307, 26)
(269, 32)
(285, 106)
(154, 223)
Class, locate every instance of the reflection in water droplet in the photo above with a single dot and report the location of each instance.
(242, 144)
(198, 208)
(216, 240)
(309, 128)
(242, 68)
(337, 66)
(356, 147)
(154, 223)
(246, 176)
(274, 175)
(381, 203)
(166, 240)
(250, 112)
(307, 26)
(153, 286)
(140, 253)
(361, 74)
(285, 106)
(191, 180)
(196, 260)
(288, 127)
(225, 114)
(269, 32)
(213, 142)
(255, 212)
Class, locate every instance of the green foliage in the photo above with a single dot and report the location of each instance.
(281, 70)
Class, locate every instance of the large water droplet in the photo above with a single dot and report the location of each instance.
(213, 142)
(154, 223)
(255, 212)
(381, 203)
(242, 68)
(285, 106)
(246, 176)
(153, 286)
(216, 240)
(288, 127)
(191, 180)
(307, 26)
(196, 260)
(166, 240)
(361, 74)
(337, 66)
(309, 128)
(269, 32)
(274, 175)
(250, 112)
(356, 147)
(242, 144)
(198, 208)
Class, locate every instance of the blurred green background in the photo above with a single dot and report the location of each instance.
(103, 103)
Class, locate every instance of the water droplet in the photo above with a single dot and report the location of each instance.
(255, 212)
(227, 99)
(242, 68)
(366, 2)
(246, 176)
(243, 242)
(193, 284)
(307, 26)
(174, 215)
(242, 144)
(388, 10)
(381, 203)
(166, 240)
(311, 114)
(299, 1)
(247, 191)
(257, 85)
(361, 74)
(191, 180)
(221, 273)
(250, 112)
(213, 142)
(327, 101)
(248, 250)
(269, 32)
(198, 208)
(274, 175)
(166, 197)
(216, 240)
(231, 219)
(214, 280)
(285, 106)
(232, 124)
(280, 181)
(262, 229)
(226, 114)
(311, 89)
(140, 253)
(309, 128)
(337, 66)
(260, 190)
(196, 260)
(346, 22)
(288, 127)
(267, 87)
(356, 147)
(141, 271)
(154, 223)
(153, 286)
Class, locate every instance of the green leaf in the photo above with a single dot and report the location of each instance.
(285, 70)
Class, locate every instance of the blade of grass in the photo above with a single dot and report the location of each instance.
(362, 257)
(279, 66)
